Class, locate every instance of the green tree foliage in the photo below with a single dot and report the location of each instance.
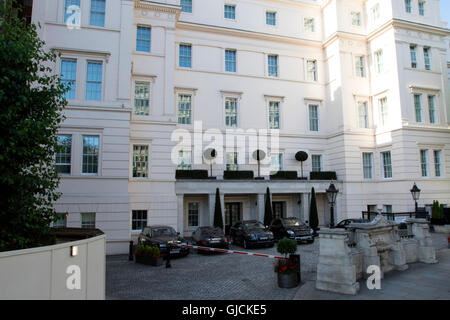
(313, 216)
(268, 209)
(287, 246)
(31, 100)
(437, 211)
(218, 221)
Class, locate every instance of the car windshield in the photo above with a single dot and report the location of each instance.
(165, 231)
(292, 222)
(212, 231)
(254, 225)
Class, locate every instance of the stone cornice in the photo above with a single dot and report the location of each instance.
(157, 6)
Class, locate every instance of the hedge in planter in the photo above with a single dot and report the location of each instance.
(323, 175)
(191, 174)
(287, 270)
(284, 175)
(437, 214)
(150, 255)
(238, 175)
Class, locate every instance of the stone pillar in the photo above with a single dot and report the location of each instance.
(260, 207)
(425, 250)
(336, 271)
(180, 204)
(305, 204)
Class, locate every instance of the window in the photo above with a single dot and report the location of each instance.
(424, 162)
(363, 115)
(422, 8)
(69, 77)
(276, 163)
(273, 65)
(231, 112)
(97, 13)
(418, 107)
(184, 160)
(313, 117)
(186, 6)
(360, 67)
(271, 18)
(230, 60)
(63, 156)
(408, 6)
(316, 161)
(185, 55)
(140, 161)
(368, 165)
(138, 219)
(88, 220)
(143, 39)
(274, 115)
(386, 164)
(356, 19)
(375, 12)
(94, 81)
(311, 69)
(413, 52)
(437, 163)
(90, 154)
(309, 24)
(142, 98)
(184, 109)
(61, 221)
(383, 111)
(229, 11)
(387, 208)
(379, 61)
(232, 161)
(193, 214)
(70, 7)
(432, 109)
(427, 59)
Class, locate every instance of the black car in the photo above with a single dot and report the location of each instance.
(210, 237)
(164, 237)
(344, 223)
(251, 233)
(291, 228)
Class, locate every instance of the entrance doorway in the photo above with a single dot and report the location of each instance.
(278, 209)
(232, 215)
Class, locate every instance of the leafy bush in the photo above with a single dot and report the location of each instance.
(323, 175)
(238, 175)
(284, 175)
(147, 251)
(191, 174)
(287, 246)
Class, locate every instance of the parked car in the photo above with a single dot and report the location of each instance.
(291, 228)
(251, 233)
(163, 237)
(210, 237)
(344, 223)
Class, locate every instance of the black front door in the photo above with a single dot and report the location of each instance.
(278, 210)
(232, 215)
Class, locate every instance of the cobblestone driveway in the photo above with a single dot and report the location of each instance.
(204, 276)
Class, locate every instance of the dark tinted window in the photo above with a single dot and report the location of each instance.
(163, 231)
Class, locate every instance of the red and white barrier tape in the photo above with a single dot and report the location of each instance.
(228, 251)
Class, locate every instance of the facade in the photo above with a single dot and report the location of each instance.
(362, 86)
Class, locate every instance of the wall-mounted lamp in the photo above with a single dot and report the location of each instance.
(73, 251)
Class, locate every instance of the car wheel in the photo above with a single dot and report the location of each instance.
(311, 241)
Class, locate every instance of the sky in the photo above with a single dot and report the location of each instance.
(445, 11)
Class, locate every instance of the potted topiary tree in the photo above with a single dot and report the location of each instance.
(313, 216)
(301, 156)
(149, 255)
(287, 270)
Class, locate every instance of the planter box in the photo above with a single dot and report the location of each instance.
(323, 175)
(284, 175)
(191, 174)
(149, 260)
(288, 280)
(238, 175)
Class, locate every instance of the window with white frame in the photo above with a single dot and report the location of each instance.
(141, 98)
(138, 219)
(387, 208)
(186, 6)
(432, 109)
(309, 25)
(64, 155)
(97, 17)
(408, 6)
(232, 161)
(229, 11)
(88, 220)
(384, 112)
(140, 161)
(316, 162)
(273, 65)
(413, 53)
(274, 115)
(386, 164)
(379, 61)
(94, 80)
(230, 60)
(368, 165)
(193, 214)
(427, 58)
(437, 163)
(360, 65)
(375, 12)
(276, 163)
(185, 58)
(90, 154)
(363, 114)
(143, 39)
(61, 220)
(421, 7)
(271, 18)
(418, 107)
(313, 117)
(184, 160)
(356, 18)
(311, 70)
(231, 113)
(70, 7)
(184, 109)
(69, 77)
(424, 162)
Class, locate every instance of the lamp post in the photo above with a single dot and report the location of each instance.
(331, 194)
(415, 192)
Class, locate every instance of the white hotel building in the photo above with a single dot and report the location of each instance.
(362, 86)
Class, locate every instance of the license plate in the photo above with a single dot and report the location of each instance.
(175, 251)
(214, 241)
(263, 238)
